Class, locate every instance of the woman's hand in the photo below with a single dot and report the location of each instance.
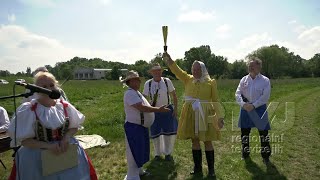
(64, 143)
(167, 58)
(54, 148)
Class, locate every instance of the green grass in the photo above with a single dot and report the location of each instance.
(295, 140)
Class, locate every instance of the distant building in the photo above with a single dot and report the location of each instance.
(92, 73)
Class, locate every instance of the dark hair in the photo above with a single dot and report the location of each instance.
(127, 82)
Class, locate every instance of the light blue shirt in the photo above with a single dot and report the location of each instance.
(257, 90)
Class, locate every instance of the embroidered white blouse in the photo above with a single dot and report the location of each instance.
(50, 117)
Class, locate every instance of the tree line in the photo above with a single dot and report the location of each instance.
(277, 62)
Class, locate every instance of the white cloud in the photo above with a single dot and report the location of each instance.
(246, 46)
(255, 41)
(11, 18)
(40, 3)
(223, 28)
(312, 34)
(297, 27)
(306, 44)
(292, 22)
(309, 42)
(196, 16)
(223, 31)
(184, 7)
(20, 49)
(105, 2)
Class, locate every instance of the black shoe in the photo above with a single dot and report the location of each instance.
(211, 175)
(157, 158)
(245, 157)
(210, 161)
(196, 173)
(145, 173)
(266, 161)
(168, 158)
(197, 160)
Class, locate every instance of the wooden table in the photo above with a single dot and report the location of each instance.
(4, 144)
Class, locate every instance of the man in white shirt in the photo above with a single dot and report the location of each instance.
(252, 95)
(139, 117)
(164, 129)
(4, 120)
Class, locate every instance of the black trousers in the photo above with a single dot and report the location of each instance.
(264, 139)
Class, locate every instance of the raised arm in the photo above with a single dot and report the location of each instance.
(180, 74)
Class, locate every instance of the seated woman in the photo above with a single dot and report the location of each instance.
(47, 124)
(4, 120)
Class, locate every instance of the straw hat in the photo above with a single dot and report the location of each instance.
(155, 66)
(130, 75)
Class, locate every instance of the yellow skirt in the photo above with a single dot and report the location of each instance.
(186, 128)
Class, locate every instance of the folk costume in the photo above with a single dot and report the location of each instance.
(256, 92)
(136, 131)
(200, 113)
(47, 124)
(164, 129)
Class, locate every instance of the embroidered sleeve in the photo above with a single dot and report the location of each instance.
(76, 118)
(24, 123)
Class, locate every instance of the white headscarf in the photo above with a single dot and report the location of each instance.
(204, 72)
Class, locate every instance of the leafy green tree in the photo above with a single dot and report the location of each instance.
(238, 69)
(28, 72)
(115, 73)
(217, 66)
(274, 60)
(315, 65)
(141, 66)
(202, 53)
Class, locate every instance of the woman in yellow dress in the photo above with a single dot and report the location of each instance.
(200, 118)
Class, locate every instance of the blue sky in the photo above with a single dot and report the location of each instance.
(43, 32)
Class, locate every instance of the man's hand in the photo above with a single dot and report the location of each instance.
(164, 109)
(248, 107)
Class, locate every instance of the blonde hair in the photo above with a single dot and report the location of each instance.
(45, 74)
(40, 69)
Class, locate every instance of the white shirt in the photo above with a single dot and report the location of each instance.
(132, 97)
(162, 92)
(4, 120)
(257, 90)
(50, 117)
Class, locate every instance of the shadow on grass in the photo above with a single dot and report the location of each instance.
(202, 177)
(161, 170)
(258, 173)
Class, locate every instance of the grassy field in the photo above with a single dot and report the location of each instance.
(294, 114)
